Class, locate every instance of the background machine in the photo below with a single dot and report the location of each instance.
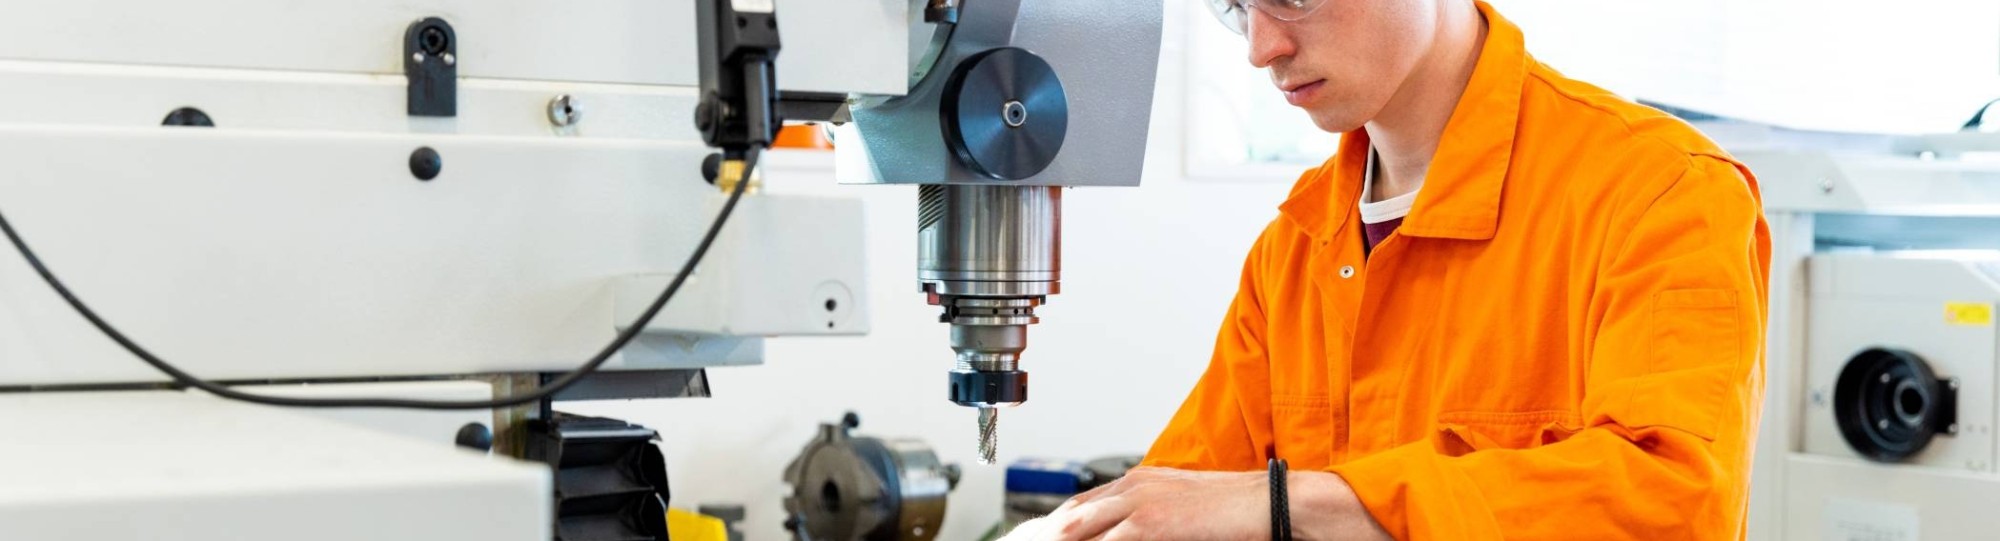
(460, 200)
(1879, 407)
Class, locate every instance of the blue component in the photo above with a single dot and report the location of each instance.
(1038, 476)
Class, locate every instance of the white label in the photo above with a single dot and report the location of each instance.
(1854, 520)
(759, 6)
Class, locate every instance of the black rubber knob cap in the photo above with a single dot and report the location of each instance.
(425, 163)
(474, 436)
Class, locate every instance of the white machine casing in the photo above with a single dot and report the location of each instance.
(1864, 301)
(1876, 241)
(291, 241)
(294, 244)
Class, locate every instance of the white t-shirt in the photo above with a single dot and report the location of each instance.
(1375, 212)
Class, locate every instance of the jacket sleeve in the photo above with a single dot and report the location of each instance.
(1675, 343)
(1213, 430)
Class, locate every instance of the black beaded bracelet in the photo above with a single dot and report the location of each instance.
(1281, 507)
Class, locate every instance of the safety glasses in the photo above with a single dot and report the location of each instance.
(1235, 14)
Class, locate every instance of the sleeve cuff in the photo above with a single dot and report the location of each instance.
(1414, 493)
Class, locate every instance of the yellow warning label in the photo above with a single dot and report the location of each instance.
(1970, 314)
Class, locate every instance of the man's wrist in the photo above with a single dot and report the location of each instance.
(1324, 507)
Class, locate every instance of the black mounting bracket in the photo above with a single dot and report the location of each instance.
(430, 60)
(739, 88)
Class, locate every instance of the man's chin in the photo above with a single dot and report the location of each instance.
(1336, 121)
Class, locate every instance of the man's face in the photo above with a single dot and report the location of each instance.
(1344, 62)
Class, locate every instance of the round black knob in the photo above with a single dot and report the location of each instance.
(425, 163)
(474, 436)
(188, 116)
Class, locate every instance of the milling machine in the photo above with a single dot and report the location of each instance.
(1009, 103)
(368, 206)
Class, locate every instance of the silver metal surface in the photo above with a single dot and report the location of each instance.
(1003, 234)
(989, 434)
(924, 483)
(989, 255)
(851, 488)
(989, 348)
(1107, 60)
(564, 111)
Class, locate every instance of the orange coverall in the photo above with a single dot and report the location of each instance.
(1563, 340)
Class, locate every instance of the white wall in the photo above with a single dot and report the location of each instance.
(1848, 65)
(1147, 273)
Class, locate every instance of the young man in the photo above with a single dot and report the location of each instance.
(1512, 306)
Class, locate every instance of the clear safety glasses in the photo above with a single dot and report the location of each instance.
(1235, 14)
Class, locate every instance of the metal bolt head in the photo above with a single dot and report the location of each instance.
(450, 59)
(1014, 113)
(417, 57)
(563, 111)
(1825, 185)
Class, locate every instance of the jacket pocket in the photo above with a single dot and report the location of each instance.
(1693, 355)
(1302, 430)
(1460, 433)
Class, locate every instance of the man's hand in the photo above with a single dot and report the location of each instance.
(1159, 504)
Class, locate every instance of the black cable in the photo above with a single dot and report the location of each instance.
(1978, 118)
(183, 378)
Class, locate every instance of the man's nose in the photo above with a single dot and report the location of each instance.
(1270, 39)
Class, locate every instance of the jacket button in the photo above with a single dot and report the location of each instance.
(1347, 271)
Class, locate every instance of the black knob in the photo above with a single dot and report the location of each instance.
(425, 163)
(188, 116)
(475, 436)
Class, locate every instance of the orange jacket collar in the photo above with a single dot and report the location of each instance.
(1461, 194)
